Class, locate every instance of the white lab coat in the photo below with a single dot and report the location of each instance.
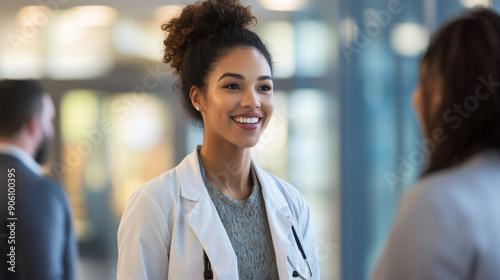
(170, 220)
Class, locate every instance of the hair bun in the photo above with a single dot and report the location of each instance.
(201, 20)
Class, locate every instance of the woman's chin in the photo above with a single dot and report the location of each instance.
(248, 142)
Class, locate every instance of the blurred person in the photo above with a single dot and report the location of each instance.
(217, 215)
(448, 225)
(36, 231)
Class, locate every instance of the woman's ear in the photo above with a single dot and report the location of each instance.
(196, 97)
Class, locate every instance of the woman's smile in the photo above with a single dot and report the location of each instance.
(248, 121)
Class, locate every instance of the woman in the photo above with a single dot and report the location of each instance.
(217, 214)
(448, 226)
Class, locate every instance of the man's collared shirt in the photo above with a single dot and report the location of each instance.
(23, 156)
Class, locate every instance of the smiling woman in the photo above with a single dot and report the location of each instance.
(217, 214)
(240, 100)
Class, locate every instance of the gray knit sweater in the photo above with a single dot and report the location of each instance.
(247, 226)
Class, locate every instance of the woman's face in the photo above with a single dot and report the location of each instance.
(239, 100)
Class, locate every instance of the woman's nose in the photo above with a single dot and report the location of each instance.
(250, 99)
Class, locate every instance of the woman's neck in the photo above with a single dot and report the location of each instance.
(228, 169)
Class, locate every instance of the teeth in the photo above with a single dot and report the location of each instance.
(247, 120)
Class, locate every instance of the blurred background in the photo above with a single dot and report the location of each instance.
(343, 131)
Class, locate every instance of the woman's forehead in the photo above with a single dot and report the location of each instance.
(245, 61)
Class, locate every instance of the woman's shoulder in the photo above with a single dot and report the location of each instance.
(461, 190)
(480, 171)
(162, 184)
(161, 191)
(167, 188)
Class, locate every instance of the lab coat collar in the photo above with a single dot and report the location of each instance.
(205, 221)
(192, 186)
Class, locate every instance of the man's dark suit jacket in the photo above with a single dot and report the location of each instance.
(45, 246)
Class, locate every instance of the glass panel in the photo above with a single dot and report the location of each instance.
(313, 167)
(21, 47)
(312, 58)
(271, 151)
(111, 145)
(72, 51)
(279, 37)
(141, 146)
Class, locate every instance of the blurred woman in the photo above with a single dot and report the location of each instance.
(217, 215)
(448, 226)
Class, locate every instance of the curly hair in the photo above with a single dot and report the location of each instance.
(202, 34)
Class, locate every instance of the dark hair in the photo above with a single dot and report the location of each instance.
(200, 36)
(463, 58)
(20, 100)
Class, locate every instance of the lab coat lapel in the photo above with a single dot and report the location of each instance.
(205, 222)
(278, 214)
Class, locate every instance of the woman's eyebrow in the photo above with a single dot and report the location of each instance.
(237, 76)
(241, 77)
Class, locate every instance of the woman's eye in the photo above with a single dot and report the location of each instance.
(265, 88)
(232, 86)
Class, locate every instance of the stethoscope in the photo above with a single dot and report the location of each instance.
(209, 275)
